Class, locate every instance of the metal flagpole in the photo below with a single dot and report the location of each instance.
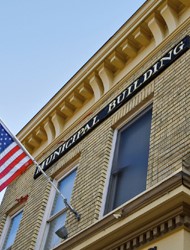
(50, 181)
(77, 215)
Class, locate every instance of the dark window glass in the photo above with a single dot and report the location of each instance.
(129, 170)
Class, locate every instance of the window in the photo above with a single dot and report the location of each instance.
(12, 231)
(130, 161)
(58, 213)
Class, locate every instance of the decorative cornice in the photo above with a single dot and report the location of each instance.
(151, 24)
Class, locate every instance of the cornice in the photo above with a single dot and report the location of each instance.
(91, 84)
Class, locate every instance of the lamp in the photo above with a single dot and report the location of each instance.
(62, 233)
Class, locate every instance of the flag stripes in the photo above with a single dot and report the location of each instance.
(13, 159)
(12, 176)
(13, 148)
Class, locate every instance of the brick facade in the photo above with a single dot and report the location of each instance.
(169, 95)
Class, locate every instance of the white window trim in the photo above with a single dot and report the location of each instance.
(5, 231)
(44, 228)
(43, 232)
(105, 191)
(6, 227)
(110, 164)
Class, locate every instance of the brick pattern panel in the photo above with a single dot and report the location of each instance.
(170, 124)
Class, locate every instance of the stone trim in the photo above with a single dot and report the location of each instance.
(181, 219)
(143, 231)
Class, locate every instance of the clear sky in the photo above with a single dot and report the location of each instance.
(43, 43)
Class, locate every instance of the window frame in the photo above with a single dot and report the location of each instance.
(6, 228)
(47, 218)
(120, 126)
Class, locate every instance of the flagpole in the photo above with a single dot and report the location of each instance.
(58, 191)
(77, 215)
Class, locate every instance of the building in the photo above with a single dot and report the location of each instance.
(116, 141)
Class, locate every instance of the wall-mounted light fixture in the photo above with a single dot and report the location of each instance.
(62, 233)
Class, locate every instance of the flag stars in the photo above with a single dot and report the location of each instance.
(5, 139)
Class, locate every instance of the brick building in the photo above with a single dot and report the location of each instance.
(116, 141)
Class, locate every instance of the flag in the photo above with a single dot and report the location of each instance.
(13, 158)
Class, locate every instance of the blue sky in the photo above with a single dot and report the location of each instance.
(43, 43)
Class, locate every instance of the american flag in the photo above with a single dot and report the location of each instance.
(13, 159)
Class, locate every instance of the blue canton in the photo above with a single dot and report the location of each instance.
(5, 139)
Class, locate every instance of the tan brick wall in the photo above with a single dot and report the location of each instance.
(170, 136)
(94, 162)
(19, 188)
